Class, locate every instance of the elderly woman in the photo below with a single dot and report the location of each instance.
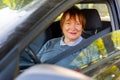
(72, 25)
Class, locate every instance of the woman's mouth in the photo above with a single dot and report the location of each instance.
(73, 33)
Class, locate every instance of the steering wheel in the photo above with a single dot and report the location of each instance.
(32, 55)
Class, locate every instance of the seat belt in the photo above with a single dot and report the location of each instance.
(84, 43)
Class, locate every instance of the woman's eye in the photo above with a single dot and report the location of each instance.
(77, 23)
(67, 22)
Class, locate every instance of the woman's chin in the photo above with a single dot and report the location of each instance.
(73, 38)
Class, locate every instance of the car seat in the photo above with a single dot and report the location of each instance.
(93, 22)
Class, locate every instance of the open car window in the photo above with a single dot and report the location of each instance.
(38, 42)
(102, 48)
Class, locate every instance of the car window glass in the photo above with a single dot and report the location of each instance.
(101, 8)
(14, 4)
(110, 71)
(98, 50)
(12, 13)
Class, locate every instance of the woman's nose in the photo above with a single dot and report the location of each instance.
(72, 27)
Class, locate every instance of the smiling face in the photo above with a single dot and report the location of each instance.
(71, 28)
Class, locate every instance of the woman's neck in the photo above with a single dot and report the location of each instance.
(69, 41)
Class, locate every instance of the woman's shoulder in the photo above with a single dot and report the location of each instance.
(54, 41)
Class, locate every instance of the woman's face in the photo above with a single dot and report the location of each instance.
(72, 28)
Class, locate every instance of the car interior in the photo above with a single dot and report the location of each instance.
(94, 25)
(29, 24)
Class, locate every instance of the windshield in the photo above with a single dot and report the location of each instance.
(14, 4)
(13, 13)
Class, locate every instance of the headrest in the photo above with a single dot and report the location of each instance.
(93, 20)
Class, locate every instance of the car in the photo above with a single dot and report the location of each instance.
(50, 72)
(27, 24)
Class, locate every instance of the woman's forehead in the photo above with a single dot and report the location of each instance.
(71, 17)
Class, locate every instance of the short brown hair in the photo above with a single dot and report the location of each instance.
(73, 11)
